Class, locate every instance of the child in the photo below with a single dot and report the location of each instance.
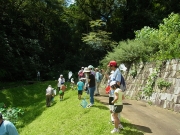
(118, 105)
(72, 83)
(61, 92)
(80, 85)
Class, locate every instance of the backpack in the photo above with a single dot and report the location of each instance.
(123, 84)
(81, 74)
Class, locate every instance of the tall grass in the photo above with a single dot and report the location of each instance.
(65, 117)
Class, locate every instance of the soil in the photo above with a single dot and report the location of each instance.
(150, 119)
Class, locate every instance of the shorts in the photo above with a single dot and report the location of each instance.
(80, 92)
(117, 108)
(110, 100)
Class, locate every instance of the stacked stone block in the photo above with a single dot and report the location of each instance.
(168, 98)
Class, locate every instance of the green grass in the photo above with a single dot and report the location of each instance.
(63, 117)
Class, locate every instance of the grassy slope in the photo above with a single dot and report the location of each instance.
(62, 118)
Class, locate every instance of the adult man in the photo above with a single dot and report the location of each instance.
(116, 76)
(7, 128)
(91, 83)
(61, 81)
(49, 94)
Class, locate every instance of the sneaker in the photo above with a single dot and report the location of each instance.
(120, 126)
(115, 131)
(90, 105)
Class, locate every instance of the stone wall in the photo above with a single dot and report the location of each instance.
(168, 98)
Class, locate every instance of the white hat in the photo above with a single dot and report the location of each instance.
(49, 86)
(112, 71)
(61, 75)
(86, 70)
(122, 67)
(112, 83)
(90, 66)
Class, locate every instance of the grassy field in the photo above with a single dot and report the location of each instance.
(65, 117)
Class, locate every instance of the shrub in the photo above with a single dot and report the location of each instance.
(12, 114)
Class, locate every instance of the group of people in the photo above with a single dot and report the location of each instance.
(51, 92)
(116, 95)
(89, 80)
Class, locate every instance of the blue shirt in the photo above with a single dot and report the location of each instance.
(8, 128)
(97, 77)
(80, 85)
(116, 76)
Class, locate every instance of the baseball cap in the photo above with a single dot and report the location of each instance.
(112, 83)
(112, 63)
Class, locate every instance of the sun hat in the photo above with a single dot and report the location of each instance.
(61, 75)
(112, 83)
(112, 63)
(86, 70)
(90, 66)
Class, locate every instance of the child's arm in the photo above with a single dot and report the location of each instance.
(116, 97)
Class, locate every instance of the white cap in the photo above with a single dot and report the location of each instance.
(112, 83)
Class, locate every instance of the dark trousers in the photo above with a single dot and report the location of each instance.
(48, 100)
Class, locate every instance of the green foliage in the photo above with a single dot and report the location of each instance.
(98, 39)
(164, 40)
(12, 113)
(133, 73)
(148, 89)
(162, 83)
(130, 51)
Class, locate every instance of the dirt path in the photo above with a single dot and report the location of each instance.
(151, 120)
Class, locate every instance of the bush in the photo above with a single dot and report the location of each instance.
(11, 114)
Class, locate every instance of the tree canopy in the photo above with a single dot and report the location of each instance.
(53, 37)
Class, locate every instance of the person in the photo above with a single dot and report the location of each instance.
(118, 105)
(61, 81)
(91, 68)
(80, 73)
(80, 88)
(72, 83)
(111, 97)
(7, 127)
(115, 76)
(98, 80)
(38, 76)
(49, 94)
(91, 85)
(61, 92)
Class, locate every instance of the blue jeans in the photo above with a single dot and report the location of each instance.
(91, 94)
